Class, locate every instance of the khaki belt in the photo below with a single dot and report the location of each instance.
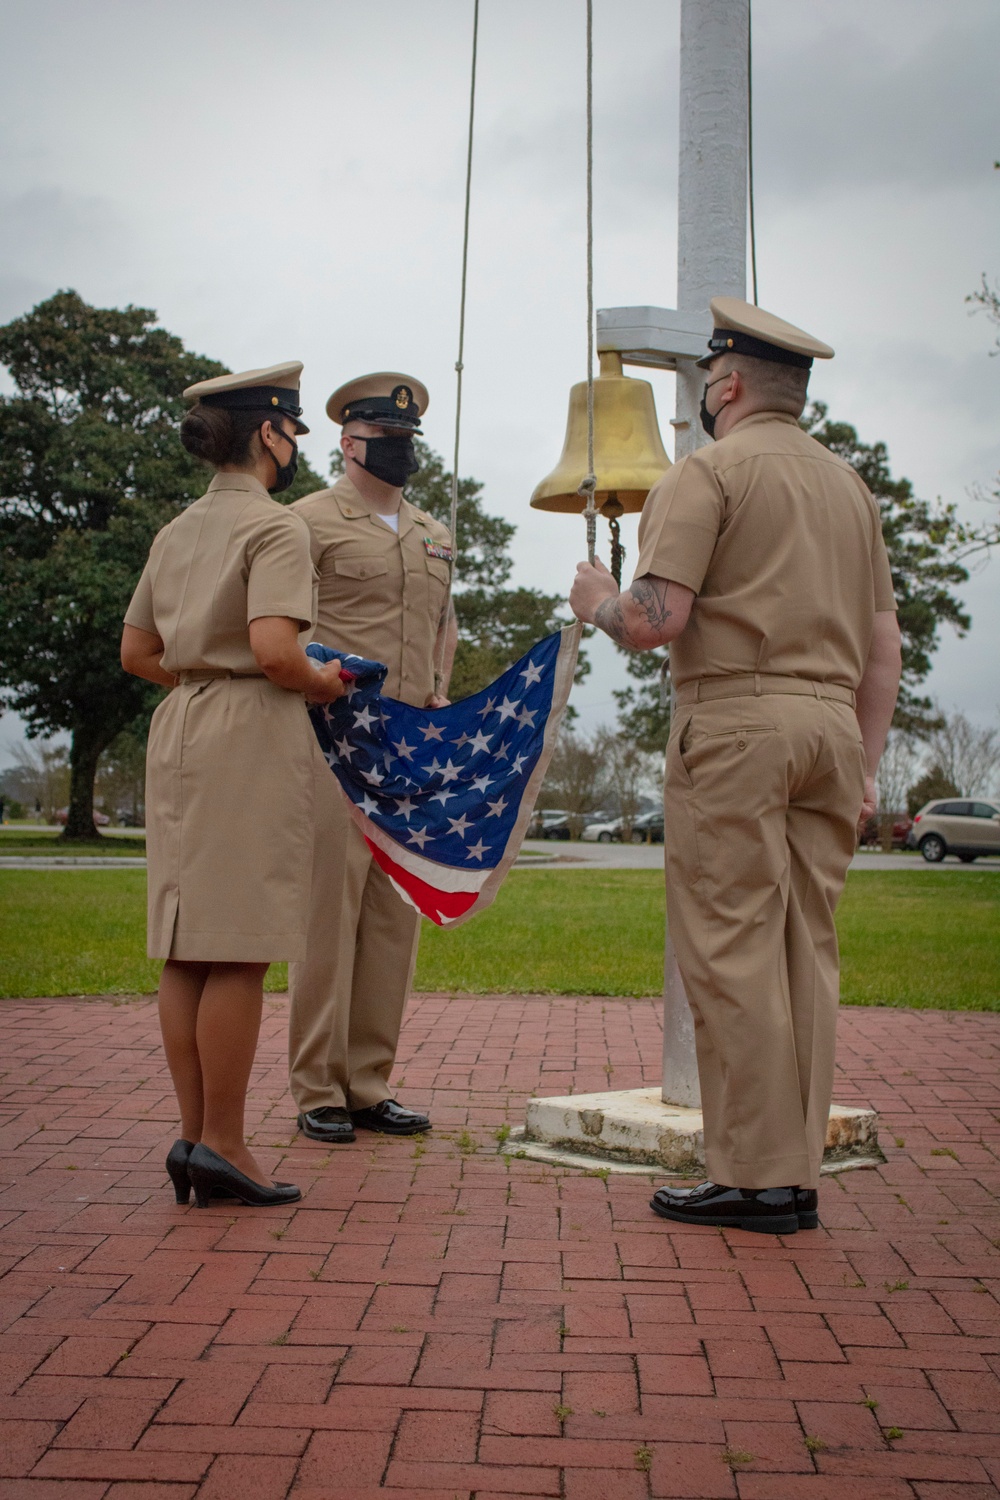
(209, 674)
(757, 685)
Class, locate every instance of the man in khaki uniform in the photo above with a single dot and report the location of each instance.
(761, 559)
(383, 587)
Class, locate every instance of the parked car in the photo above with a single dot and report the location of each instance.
(871, 834)
(602, 831)
(549, 823)
(101, 819)
(966, 828)
(647, 828)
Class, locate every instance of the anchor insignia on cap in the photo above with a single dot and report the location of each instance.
(402, 397)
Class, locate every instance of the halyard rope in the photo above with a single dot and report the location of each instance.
(459, 363)
(589, 484)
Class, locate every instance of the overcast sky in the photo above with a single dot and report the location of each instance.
(286, 183)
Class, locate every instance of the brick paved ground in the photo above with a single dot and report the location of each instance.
(436, 1322)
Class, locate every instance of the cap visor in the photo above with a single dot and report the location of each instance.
(706, 363)
(300, 427)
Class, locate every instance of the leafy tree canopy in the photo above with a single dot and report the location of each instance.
(90, 469)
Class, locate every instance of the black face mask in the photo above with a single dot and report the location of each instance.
(708, 418)
(392, 459)
(286, 472)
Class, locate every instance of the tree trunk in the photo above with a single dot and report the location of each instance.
(886, 823)
(84, 754)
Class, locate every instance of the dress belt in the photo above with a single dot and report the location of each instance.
(756, 685)
(209, 674)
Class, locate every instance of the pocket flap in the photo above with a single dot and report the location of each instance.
(360, 567)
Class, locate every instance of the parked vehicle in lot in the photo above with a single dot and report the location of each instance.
(648, 828)
(967, 828)
(550, 823)
(101, 819)
(602, 831)
(871, 834)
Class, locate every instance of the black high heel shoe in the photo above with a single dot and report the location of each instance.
(208, 1170)
(177, 1168)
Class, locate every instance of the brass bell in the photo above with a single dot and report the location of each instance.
(629, 456)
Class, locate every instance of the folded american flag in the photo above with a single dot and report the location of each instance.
(443, 796)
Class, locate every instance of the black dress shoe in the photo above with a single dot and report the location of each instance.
(329, 1124)
(807, 1207)
(766, 1210)
(390, 1118)
(177, 1168)
(208, 1171)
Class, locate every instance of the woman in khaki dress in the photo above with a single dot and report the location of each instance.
(216, 617)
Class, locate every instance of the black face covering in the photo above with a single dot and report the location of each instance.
(286, 472)
(708, 418)
(392, 459)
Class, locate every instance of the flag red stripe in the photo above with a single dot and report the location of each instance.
(431, 902)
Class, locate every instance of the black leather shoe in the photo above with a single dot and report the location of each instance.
(390, 1118)
(807, 1207)
(208, 1171)
(177, 1168)
(766, 1210)
(329, 1124)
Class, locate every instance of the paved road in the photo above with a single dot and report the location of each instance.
(581, 856)
(552, 855)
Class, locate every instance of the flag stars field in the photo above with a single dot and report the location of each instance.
(418, 821)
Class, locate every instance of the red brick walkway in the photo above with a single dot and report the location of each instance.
(437, 1322)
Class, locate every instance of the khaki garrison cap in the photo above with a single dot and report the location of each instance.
(741, 328)
(386, 398)
(276, 386)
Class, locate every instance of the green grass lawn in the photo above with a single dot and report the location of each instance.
(920, 938)
(29, 841)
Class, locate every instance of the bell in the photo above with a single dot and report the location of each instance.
(629, 456)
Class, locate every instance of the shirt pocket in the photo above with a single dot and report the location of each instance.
(360, 568)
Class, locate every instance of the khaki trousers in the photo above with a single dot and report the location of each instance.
(761, 799)
(347, 997)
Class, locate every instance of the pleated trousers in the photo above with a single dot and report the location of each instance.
(348, 995)
(761, 800)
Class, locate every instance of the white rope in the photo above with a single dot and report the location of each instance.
(459, 363)
(753, 225)
(589, 484)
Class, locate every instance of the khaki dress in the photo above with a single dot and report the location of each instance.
(229, 780)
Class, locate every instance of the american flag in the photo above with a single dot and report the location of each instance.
(443, 797)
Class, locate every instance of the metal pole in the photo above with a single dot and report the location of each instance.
(711, 262)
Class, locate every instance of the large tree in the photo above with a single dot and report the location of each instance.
(496, 624)
(924, 542)
(90, 469)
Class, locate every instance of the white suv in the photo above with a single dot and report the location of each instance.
(965, 828)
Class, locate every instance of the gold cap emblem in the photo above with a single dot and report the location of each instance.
(402, 398)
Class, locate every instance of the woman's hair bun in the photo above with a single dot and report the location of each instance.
(207, 433)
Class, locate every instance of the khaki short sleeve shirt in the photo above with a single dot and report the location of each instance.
(782, 543)
(233, 556)
(382, 593)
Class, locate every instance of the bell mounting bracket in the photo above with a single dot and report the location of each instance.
(656, 337)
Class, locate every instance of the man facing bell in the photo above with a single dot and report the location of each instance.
(762, 563)
(383, 594)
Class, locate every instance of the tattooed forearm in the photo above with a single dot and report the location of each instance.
(650, 594)
(610, 617)
(645, 601)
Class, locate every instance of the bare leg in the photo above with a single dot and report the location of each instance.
(228, 1025)
(181, 985)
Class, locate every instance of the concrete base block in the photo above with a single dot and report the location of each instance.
(633, 1128)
